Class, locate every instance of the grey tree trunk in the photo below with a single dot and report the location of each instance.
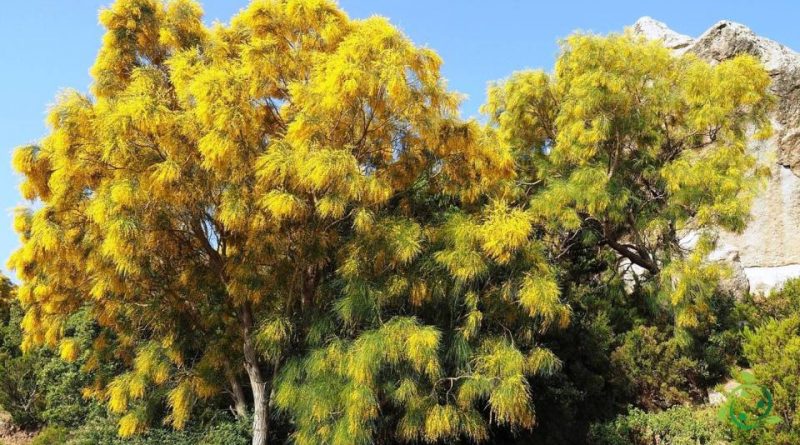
(258, 385)
(260, 409)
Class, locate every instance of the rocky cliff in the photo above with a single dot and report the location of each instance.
(768, 251)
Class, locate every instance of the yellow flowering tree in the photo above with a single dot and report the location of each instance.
(617, 154)
(638, 154)
(197, 202)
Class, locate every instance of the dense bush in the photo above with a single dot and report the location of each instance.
(773, 351)
(221, 431)
(757, 309)
(658, 366)
(20, 394)
(37, 387)
(681, 425)
(655, 369)
(51, 435)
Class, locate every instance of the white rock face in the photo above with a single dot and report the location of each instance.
(767, 253)
(654, 30)
(726, 39)
(762, 279)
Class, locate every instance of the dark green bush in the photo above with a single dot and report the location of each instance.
(757, 309)
(227, 433)
(656, 370)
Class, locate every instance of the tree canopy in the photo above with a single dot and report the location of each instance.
(288, 210)
(640, 153)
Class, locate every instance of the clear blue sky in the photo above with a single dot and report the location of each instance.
(48, 45)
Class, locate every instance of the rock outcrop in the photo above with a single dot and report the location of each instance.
(768, 251)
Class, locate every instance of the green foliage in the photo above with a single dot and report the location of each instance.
(681, 425)
(756, 309)
(51, 435)
(773, 351)
(61, 384)
(20, 393)
(226, 433)
(658, 366)
(657, 369)
(221, 430)
(39, 387)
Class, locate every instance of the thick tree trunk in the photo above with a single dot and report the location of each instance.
(260, 409)
(258, 385)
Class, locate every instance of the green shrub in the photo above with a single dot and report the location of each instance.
(757, 309)
(773, 351)
(51, 435)
(656, 370)
(222, 430)
(20, 394)
(227, 433)
(63, 403)
(680, 425)
(38, 388)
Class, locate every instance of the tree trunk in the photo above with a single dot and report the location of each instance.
(258, 385)
(260, 410)
(237, 393)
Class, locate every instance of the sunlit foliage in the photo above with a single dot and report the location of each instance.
(640, 153)
(288, 204)
(214, 180)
